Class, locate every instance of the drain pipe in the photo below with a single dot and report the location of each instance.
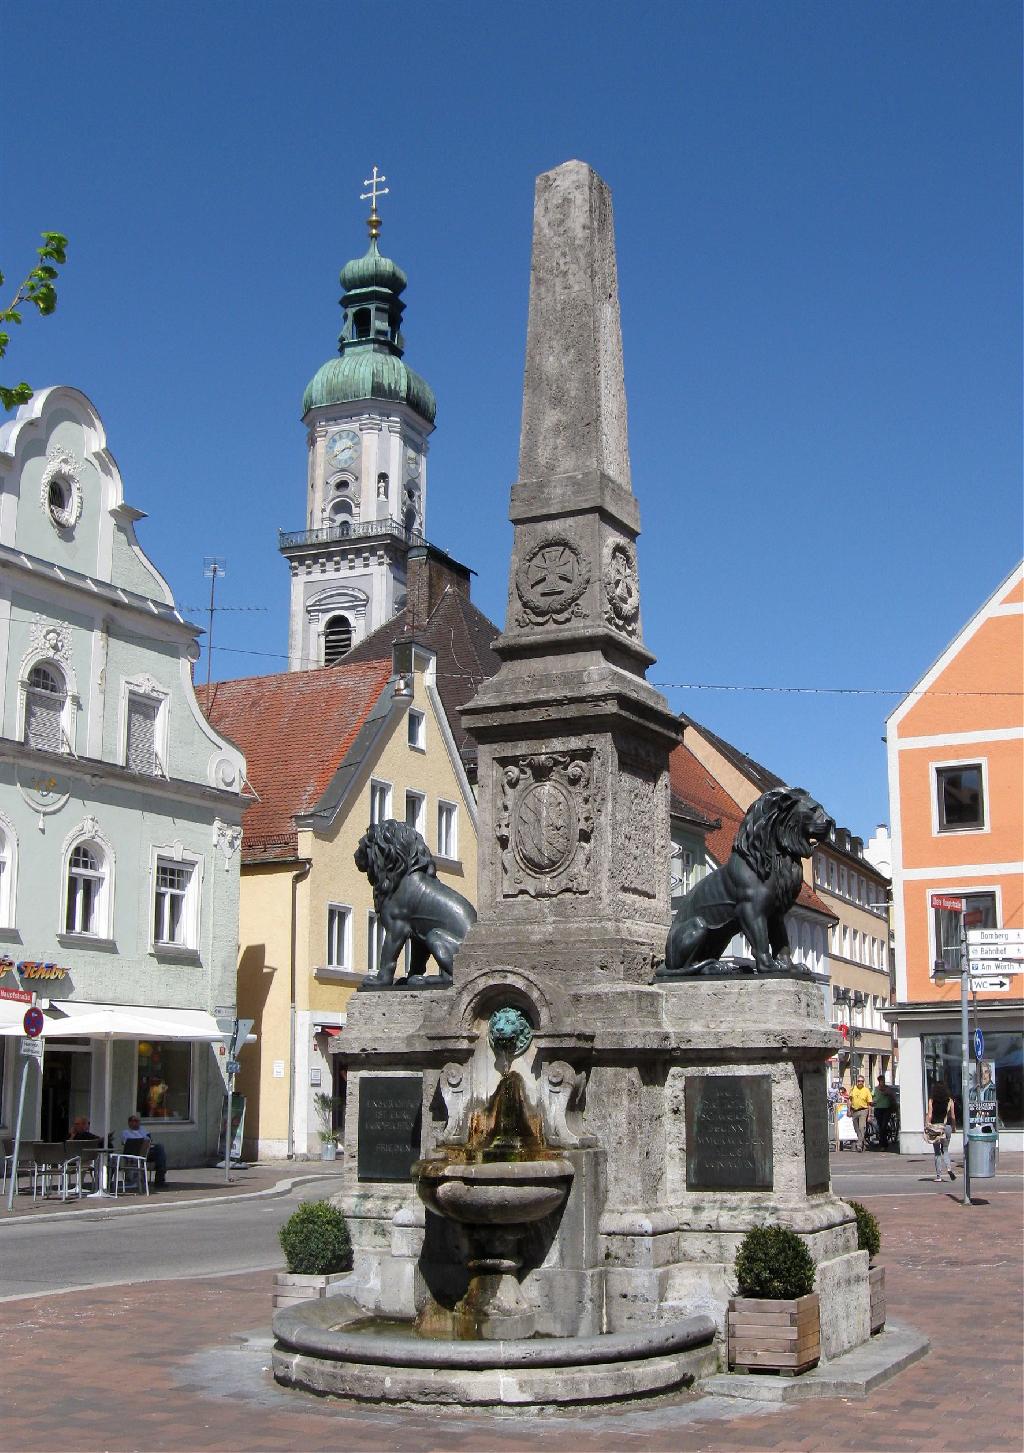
(299, 876)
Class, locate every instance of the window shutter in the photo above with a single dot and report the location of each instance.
(43, 720)
(141, 753)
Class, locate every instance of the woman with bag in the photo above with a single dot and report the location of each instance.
(939, 1127)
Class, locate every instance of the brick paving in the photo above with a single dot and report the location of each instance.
(167, 1366)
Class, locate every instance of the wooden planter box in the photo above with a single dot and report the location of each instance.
(774, 1336)
(289, 1289)
(876, 1285)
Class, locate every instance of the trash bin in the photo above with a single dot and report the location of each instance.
(982, 1151)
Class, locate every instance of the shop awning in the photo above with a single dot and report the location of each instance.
(331, 1030)
(68, 1019)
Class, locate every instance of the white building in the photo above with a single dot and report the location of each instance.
(120, 806)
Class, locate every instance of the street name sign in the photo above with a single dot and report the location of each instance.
(947, 901)
(20, 996)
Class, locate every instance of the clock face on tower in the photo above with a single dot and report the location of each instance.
(342, 448)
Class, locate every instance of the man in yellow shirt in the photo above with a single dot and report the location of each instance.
(860, 1109)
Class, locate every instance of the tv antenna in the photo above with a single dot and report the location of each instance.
(215, 566)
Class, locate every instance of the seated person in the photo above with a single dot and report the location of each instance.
(80, 1130)
(136, 1141)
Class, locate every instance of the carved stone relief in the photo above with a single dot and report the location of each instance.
(544, 822)
(621, 588)
(636, 835)
(550, 581)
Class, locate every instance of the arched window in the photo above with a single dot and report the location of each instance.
(44, 708)
(87, 890)
(337, 639)
(340, 515)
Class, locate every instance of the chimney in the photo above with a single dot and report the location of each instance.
(429, 573)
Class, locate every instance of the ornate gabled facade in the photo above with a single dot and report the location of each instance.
(368, 417)
(120, 806)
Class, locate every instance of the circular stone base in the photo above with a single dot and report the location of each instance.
(319, 1349)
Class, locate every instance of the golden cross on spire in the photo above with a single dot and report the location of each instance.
(376, 190)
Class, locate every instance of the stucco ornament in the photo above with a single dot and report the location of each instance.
(227, 837)
(60, 493)
(49, 638)
(44, 792)
(509, 1033)
(550, 581)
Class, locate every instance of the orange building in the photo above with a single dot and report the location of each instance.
(956, 793)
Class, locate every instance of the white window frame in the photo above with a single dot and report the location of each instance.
(146, 689)
(344, 911)
(374, 942)
(971, 890)
(8, 873)
(974, 760)
(68, 705)
(176, 857)
(416, 730)
(420, 798)
(380, 791)
(451, 839)
(102, 914)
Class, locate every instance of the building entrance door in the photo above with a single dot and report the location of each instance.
(66, 1085)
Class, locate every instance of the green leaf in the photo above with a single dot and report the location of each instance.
(11, 397)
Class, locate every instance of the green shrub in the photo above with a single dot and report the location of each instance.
(315, 1240)
(774, 1263)
(869, 1237)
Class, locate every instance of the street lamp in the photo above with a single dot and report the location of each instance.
(853, 999)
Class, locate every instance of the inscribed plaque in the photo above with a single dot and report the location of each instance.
(729, 1133)
(815, 1096)
(390, 1120)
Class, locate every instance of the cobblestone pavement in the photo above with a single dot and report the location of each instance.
(182, 1366)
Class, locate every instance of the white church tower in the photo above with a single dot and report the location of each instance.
(367, 418)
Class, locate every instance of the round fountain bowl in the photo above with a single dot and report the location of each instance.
(498, 1193)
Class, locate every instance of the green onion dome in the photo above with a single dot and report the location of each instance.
(364, 373)
(373, 271)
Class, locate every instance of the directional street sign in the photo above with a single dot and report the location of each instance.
(990, 984)
(996, 965)
(1003, 938)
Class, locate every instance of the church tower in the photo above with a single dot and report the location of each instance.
(368, 417)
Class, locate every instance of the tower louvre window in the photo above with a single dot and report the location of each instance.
(361, 323)
(337, 639)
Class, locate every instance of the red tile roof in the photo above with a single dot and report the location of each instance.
(692, 781)
(295, 730)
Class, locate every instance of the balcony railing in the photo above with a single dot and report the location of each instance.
(339, 534)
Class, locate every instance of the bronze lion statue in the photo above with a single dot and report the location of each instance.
(410, 902)
(752, 893)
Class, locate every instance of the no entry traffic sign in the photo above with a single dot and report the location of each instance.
(33, 1022)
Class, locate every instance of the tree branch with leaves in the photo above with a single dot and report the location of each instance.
(38, 291)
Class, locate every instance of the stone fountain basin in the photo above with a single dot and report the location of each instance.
(493, 1193)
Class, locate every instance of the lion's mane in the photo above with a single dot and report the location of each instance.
(772, 828)
(388, 851)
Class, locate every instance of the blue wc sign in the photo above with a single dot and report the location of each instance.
(979, 1044)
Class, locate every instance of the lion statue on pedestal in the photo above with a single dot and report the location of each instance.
(752, 893)
(410, 902)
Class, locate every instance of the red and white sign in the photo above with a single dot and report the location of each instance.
(950, 904)
(20, 996)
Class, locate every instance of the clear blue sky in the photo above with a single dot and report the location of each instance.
(817, 209)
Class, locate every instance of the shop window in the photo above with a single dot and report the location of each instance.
(380, 801)
(45, 700)
(175, 916)
(86, 907)
(941, 1060)
(141, 735)
(164, 1080)
(961, 800)
(947, 930)
(415, 803)
(416, 729)
(447, 830)
(339, 936)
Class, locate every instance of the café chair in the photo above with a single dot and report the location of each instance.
(52, 1165)
(128, 1172)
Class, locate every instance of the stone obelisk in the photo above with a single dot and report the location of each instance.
(573, 742)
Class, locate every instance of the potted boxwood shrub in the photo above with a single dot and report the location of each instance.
(324, 1105)
(869, 1239)
(317, 1251)
(774, 1324)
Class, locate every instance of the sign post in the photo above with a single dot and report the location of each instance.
(31, 1049)
(955, 904)
(240, 1031)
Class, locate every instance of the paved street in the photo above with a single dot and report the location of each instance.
(196, 1351)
